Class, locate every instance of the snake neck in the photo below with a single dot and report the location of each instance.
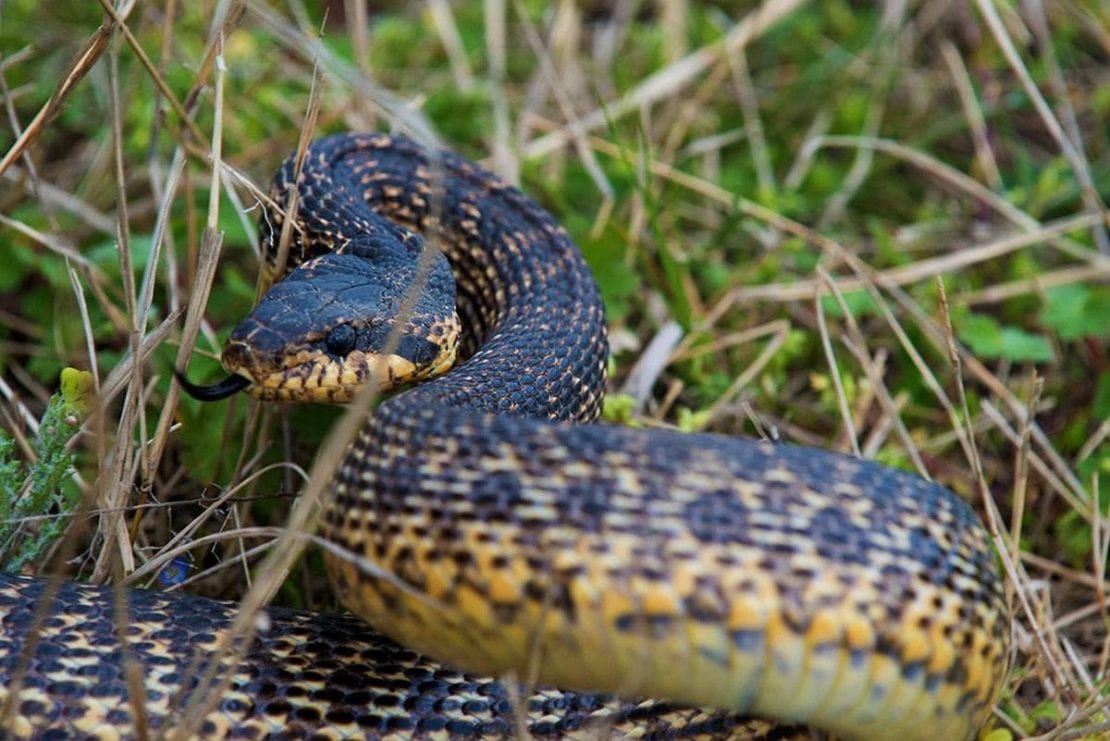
(534, 341)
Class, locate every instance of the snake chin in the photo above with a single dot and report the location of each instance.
(317, 377)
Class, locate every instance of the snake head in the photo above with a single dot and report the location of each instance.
(345, 320)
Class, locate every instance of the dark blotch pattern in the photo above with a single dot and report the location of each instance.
(377, 689)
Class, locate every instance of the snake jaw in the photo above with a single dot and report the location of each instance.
(313, 376)
(316, 377)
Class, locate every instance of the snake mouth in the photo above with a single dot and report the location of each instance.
(233, 384)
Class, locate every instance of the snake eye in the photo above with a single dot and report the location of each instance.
(340, 340)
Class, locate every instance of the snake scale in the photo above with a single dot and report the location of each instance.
(482, 518)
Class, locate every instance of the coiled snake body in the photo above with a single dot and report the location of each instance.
(474, 522)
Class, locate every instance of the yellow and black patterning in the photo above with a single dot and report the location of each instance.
(484, 520)
(306, 676)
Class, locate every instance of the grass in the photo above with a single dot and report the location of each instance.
(868, 228)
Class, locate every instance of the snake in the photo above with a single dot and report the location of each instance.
(496, 541)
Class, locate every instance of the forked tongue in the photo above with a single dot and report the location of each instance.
(219, 390)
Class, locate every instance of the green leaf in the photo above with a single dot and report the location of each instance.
(981, 333)
(1022, 346)
(1073, 535)
(858, 302)
(1047, 710)
(997, 734)
(990, 340)
(615, 279)
(1100, 407)
(690, 420)
(1075, 311)
(618, 408)
(12, 275)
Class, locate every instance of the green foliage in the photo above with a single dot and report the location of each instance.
(42, 491)
(616, 280)
(1073, 537)
(464, 118)
(988, 339)
(858, 303)
(690, 420)
(618, 409)
(1046, 188)
(1100, 407)
(1048, 711)
(1072, 530)
(998, 734)
(1075, 311)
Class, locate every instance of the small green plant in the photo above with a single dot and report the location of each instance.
(1076, 311)
(35, 498)
(989, 339)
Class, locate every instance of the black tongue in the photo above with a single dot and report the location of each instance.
(221, 390)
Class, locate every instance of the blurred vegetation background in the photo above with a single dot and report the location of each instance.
(872, 227)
